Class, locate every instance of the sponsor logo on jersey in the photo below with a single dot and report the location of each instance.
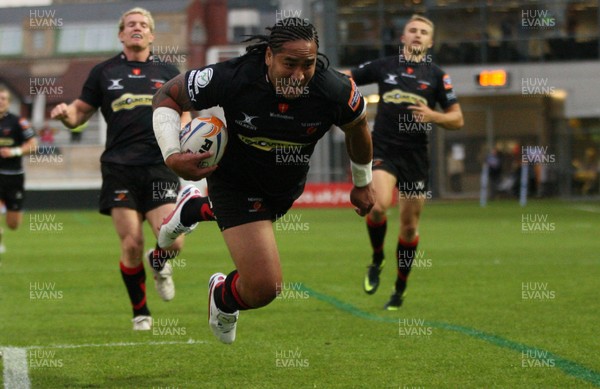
(311, 124)
(190, 85)
(311, 127)
(202, 79)
(391, 79)
(280, 116)
(7, 141)
(355, 96)
(247, 122)
(267, 144)
(447, 82)
(131, 101)
(115, 84)
(398, 96)
(283, 107)
(136, 73)
(407, 74)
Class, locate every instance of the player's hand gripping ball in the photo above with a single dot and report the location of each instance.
(204, 134)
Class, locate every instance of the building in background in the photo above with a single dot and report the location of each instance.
(46, 52)
(525, 72)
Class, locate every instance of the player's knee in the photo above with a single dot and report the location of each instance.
(377, 213)
(132, 247)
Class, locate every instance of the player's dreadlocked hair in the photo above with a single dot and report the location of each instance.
(286, 30)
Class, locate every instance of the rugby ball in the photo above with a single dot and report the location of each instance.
(204, 134)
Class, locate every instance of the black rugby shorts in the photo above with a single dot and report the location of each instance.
(12, 191)
(234, 206)
(409, 166)
(141, 188)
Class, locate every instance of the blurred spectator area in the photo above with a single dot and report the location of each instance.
(63, 164)
(545, 104)
(473, 31)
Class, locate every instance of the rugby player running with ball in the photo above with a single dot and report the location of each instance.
(279, 94)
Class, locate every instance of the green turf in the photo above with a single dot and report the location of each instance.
(465, 322)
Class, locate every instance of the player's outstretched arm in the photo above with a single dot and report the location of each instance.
(168, 104)
(360, 150)
(74, 114)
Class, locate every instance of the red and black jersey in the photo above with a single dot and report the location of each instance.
(403, 83)
(271, 138)
(123, 91)
(14, 131)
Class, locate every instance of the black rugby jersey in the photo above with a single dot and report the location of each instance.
(14, 131)
(123, 90)
(402, 83)
(271, 138)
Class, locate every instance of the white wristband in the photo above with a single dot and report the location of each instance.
(16, 151)
(167, 124)
(362, 175)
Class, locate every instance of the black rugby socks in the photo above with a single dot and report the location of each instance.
(377, 235)
(135, 282)
(197, 210)
(406, 255)
(159, 257)
(227, 298)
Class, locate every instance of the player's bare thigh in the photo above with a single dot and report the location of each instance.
(254, 251)
(128, 224)
(384, 183)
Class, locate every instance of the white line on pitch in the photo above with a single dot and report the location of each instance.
(119, 344)
(587, 208)
(15, 358)
(15, 368)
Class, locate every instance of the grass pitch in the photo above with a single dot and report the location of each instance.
(501, 296)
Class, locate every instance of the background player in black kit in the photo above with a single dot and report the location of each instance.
(277, 95)
(410, 86)
(16, 139)
(136, 184)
